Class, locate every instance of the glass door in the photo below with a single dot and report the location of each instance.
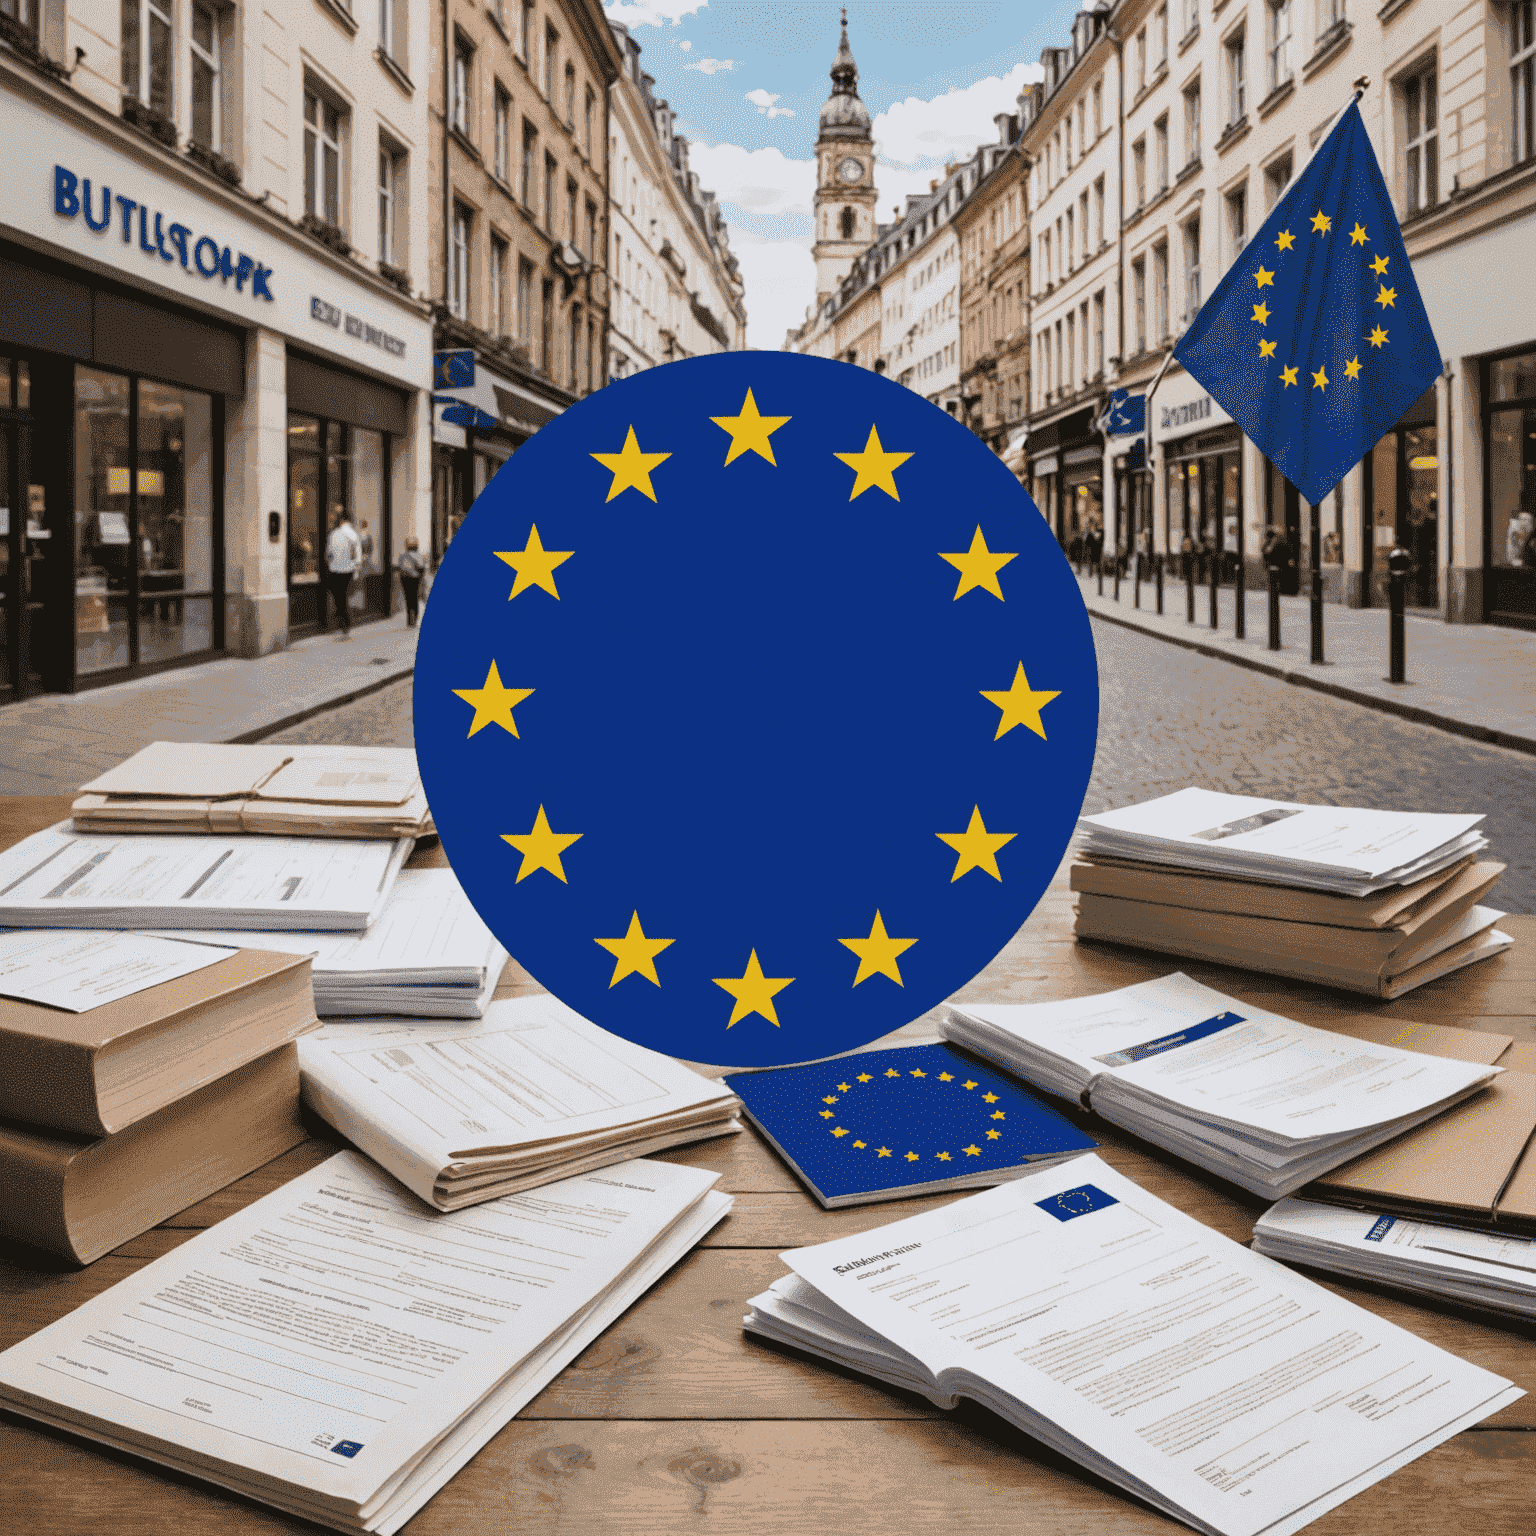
(306, 529)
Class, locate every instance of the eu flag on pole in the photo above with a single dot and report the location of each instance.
(1316, 340)
(1125, 414)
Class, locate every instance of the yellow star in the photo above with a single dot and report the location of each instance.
(861, 1145)
(634, 954)
(831, 1098)
(1378, 337)
(754, 992)
(535, 565)
(892, 1072)
(990, 1098)
(883, 1152)
(1358, 235)
(875, 467)
(837, 1130)
(1320, 379)
(977, 848)
(917, 1072)
(1264, 278)
(973, 1150)
(1321, 223)
(1352, 368)
(631, 467)
(1020, 704)
(826, 1114)
(842, 1087)
(943, 1157)
(911, 1157)
(970, 1085)
(1387, 298)
(878, 953)
(978, 567)
(946, 1077)
(993, 1135)
(750, 431)
(1286, 240)
(864, 1077)
(1267, 348)
(1261, 313)
(1287, 376)
(493, 703)
(1379, 266)
(998, 1114)
(541, 848)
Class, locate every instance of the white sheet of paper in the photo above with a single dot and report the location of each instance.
(78, 969)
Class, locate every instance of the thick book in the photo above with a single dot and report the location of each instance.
(338, 1351)
(1215, 1384)
(1257, 1098)
(97, 1072)
(79, 1197)
(915, 1120)
(531, 1093)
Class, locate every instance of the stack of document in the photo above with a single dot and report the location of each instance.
(1256, 1098)
(429, 956)
(304, 791)
(1493, 1270)
(1217, 1385)
(339, 1352)
(531, 1093)
(1378, 902)
(60, 878)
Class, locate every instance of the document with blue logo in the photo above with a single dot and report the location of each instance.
(1208, 1380)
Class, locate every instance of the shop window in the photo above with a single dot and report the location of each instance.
(205, 76)
(458, 270)
(1279, 22)
(501, 159)
(148, 57)
(322, 159)
(1522, 78)
(1277, 177)
(1511, 455)
(463, 87)
(1421, 149)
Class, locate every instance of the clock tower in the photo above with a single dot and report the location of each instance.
(845, 175)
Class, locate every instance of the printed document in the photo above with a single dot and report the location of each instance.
(78, 971)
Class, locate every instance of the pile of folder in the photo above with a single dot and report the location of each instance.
(1378, 902)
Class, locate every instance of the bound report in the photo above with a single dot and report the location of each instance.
(530, 1094)
(1237, 1090)
(58, 878)
(96, 1070)
(79, 1197)
(211, 787)
(1215, 1384)
(339, 1352)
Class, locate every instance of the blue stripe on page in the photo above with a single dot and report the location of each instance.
(1163, 1043)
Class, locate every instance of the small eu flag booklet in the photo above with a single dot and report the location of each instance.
(913, 1120)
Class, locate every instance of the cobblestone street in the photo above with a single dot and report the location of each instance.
(1169, 718)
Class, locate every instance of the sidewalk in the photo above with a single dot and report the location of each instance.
(54, 743)
(1477, 680)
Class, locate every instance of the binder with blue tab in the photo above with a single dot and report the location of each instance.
(915, 1120)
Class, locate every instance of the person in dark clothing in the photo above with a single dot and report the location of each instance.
(411, 567)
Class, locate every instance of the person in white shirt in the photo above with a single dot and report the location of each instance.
(343, 551)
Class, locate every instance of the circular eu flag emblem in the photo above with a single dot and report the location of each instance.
(755, 704)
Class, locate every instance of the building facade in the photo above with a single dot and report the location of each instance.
(209, 343)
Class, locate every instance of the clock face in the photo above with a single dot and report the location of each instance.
(851, 169)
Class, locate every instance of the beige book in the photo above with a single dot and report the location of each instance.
(79, 1197)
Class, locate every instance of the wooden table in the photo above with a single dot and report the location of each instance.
(675, 1421)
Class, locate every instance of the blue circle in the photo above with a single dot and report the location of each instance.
(759, 701)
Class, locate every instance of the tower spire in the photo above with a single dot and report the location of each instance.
(845, 73)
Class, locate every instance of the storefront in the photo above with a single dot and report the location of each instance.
(1201, 453)
(1402, 490)
(1066, 466)
(1509, 460)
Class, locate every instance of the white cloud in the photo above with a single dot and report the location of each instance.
(652, 13)
(711, 66)
(764, 102)
(762, 181)
(780, 280)
(686, 46)
(951, 124)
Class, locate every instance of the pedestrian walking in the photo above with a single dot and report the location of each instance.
(1187, 556)
(343, 550)
(412, 568)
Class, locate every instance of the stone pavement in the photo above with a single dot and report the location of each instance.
(55, 742)
(1478, 680)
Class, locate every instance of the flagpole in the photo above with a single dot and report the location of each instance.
(1157, 379)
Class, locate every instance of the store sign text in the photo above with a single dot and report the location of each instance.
(328, 314)
(1183, 415)
(73, 197)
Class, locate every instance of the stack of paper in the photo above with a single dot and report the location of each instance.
(339, 1352)
(1244, 1093)
(307, 791)
(429, 956)
(1217, 1385)
(531, 1093)
(1494, 1270)
(59, 878)
(1378, 902)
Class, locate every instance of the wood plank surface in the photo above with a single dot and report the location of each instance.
(676, 1421)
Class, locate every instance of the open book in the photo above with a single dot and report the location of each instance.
(1237, 1090)
(339, 1352)
(1210, 1381)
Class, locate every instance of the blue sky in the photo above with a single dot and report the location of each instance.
(748, 77)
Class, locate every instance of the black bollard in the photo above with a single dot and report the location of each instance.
(1136, 583)
(1117, 575)
(1189, 590)
(1160, 583)
(1399, 564)
(1315, 590)
(1100, 563)
(1274, 606)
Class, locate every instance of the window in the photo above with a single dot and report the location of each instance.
(1141, 60)
(205, 76)
(530, 159)
(1098, 108)
(1160, 290)
(1098, 332)
(322, 159)
(1139, 289)
(463, 80)
(546, 324)
(1279, 43)
(458, 267)
(525, 39)
(386, 204)
(498, 317)
(1330, 14)
(1068, 125)
(1160, 145)
(591, 246)
(1192, 124)
(549, 192)
(1237, 220)
(846, 224)
(551, 49)
(525, 302)
(1139, 171)
(1236, 79)
(572, 233)
(1160, 21)
(1191, 269)
(586, 120)
(1522, 77)
(570, 96)
(1191, 17)
(1098, 212)
(1277, 177)
(501, 160)
(575, 346)
(1421, 158)
(393, 30)
(1069, 379)
(1069, 249)
(148, 64)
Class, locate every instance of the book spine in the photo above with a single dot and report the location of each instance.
(49, 1082)
(32, 1177)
